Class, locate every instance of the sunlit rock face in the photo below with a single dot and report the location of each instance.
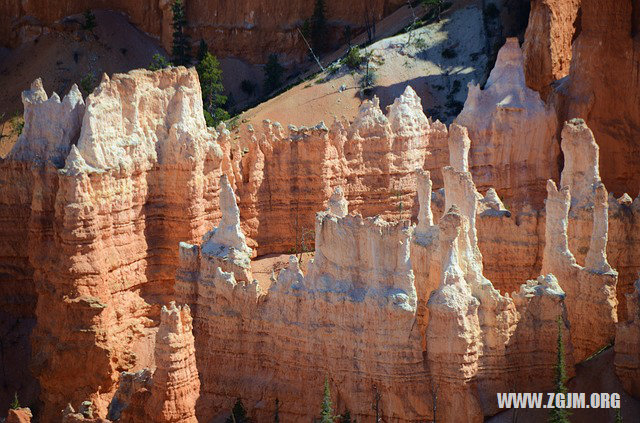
(512, 131)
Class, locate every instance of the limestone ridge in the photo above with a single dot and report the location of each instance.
(513, 131)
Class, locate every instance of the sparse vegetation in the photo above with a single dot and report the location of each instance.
(238, 413)
(346, 417)
(213, 100)
(88, 83)
(273, 72)
(560, 415)
(354, 58)
(89, 20)
(158, 62)
(15, 404)
(181, 49)
(276, 414)
(449, 53)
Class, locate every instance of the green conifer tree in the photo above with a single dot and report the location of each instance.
(619, 416)
(181, 49)
(326, 414)
(213, 100)
(89, 20)
(560, 415)
(203, 49)
(276, 414)
(346, 417)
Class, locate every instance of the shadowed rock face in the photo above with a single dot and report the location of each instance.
(241, 29)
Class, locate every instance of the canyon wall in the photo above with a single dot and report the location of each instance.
(247, 29)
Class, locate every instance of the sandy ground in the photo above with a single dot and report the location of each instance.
(594, 375)
(263, 266)
(414, 59)
(64, 58)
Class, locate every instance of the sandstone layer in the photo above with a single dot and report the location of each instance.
(247, 29)
(627, 346)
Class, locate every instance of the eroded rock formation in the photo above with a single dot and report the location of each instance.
(513, 132)
(131, 203)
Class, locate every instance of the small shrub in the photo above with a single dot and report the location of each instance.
(420, 43)
(449, 53)
(248, 87)
(354, 58)
(17, 123)
(89, 20)
(333, 69)
(88, 83)
(158, 62)
(368, 81)
(15, 404)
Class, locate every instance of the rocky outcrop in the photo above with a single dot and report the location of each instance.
(176, 386)
(512, 131)
(547, 46)
(242, 29)
(19, 415)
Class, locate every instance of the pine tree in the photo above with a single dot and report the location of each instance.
(319, 26)
(327, 409)
(89, 20)
(238, 413)
(346, 417)
(203, 49)
(560, 415)
(213, 100)
(273, 71)
(158, 62)
(15, 404)
(181, 44)
(276, 414)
